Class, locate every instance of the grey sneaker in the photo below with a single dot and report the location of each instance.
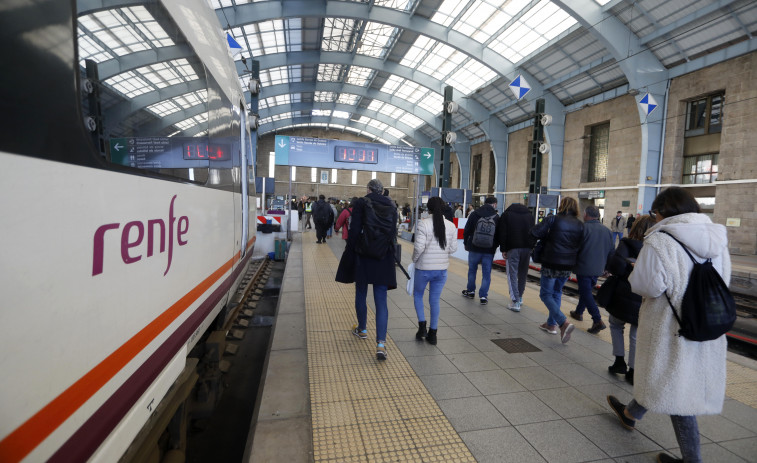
(381, 351)
(469, 294)
(484, 301)
(514, 306)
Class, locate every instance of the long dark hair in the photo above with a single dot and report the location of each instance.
(675, 201)
(436, 209)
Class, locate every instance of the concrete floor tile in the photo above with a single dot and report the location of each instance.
(559, 442)
(581, 354)
(456, 320)
(472, 331)
(401, 322)
(472, 413)
(577, 375)
(472, 361)
(484, 344)
(745, 448)
(740, 414)
(599, 392)
(455, 346)
(548, 357)
(500, 445)
(506, 360)
(522, 408)
(717, 428)
(568, 402)
(716, 453)
(446, 332)
(450, 386)
(416, 348)
(534, 378)
(603, 430)
(494, 382)
(431, 365)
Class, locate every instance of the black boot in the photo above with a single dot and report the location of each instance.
(629, 376)
(619, 367)
(431, 337)
(421, 331)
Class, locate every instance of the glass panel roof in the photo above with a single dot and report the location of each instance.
(122, 31)
(173, 105)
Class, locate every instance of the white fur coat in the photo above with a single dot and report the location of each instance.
(673, 375)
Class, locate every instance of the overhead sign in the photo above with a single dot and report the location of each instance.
(648, 104)
(340, 154)
(591, 194)
(520, 87)
(172, 152)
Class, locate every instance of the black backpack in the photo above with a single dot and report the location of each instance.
(708, 310)
(378, 235)
(321, 212)
(483, 233)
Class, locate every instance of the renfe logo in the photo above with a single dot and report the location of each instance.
(182, 226)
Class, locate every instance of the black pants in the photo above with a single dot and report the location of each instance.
(307, 222)
(320, 231)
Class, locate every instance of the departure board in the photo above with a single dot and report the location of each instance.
(340, 154)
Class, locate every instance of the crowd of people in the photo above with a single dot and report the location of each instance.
(670, 374)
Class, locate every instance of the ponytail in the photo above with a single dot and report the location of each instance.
(436, 209)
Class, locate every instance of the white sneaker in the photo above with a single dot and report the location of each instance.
(514, 306)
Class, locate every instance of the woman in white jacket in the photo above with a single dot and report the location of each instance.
(435, 240)
(673, 375)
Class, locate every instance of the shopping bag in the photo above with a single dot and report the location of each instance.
(411, 281)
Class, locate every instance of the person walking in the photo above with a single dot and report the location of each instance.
(323, 217)
(480, 241)
(308, 213)
(624, 304)
(515, 243)
(458, 211)
(435, 240)
(561, 235)
(629, 222)
(364, 269)
(334, 215)
(300, 209)
(617, 225)
(344, 220)
(596, 247)
(674, 375)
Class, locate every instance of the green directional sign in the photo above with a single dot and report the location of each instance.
(427, 161)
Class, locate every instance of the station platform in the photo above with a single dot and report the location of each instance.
(325, 397)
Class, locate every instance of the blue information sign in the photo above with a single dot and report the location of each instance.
(340, 154)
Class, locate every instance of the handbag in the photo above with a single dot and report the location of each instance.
(536, 252)
(604, 295)
(411, 282)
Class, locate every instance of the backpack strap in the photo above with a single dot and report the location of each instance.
(675, 314)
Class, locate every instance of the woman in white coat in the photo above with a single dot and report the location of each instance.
(673, 375)
(435, 240)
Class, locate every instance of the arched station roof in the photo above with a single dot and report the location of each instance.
(379, 67)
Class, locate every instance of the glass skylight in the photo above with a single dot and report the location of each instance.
(340, 114)
(348, 98)
(376, 40)
(411, 120)
(535, 28)
(173, 105)
(325, 97)
(360, 76)
(125, 30)
(321, 112)
(192, 121)
(331, 72)
(280, 75)
(414, 93)
(471, 76)
(339, 34)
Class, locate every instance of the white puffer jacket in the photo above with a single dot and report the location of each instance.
(673, 375)
(427, 254)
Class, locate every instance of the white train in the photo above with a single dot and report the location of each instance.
(125, 159)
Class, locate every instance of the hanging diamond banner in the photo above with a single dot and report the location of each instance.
(648, 104)
(520, 87)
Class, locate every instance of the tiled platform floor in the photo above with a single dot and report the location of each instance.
(466, 394)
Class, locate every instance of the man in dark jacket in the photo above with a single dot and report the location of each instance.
(515, 243)
(478, 254)
(323, 217)
(364, 270)
(596, 247)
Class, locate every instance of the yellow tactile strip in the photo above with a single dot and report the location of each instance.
(364, 410)
(741, 382)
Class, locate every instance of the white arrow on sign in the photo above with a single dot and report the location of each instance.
(117, 147)
(427, 155)
(282, 144)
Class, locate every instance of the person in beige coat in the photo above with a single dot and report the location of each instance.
(674, 375)
(435, 240)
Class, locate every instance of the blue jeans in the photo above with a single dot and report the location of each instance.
(550, 294)
(685, 427)
(379, 301)
(586, 298)
(517, 271)
(485, 259)
(435, 279)
(618, 342)
(618, 234)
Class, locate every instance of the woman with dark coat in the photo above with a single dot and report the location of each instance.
(561, 235)
(364, 270)
(624, 304)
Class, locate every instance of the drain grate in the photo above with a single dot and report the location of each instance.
(515, 345)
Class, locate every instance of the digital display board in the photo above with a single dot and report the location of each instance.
(173, 152)
(355, 154)
(341, 154)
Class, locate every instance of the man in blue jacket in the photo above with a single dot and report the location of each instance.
(596, 246)
(481, 244)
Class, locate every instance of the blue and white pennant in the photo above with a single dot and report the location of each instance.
(234, 46)
(648, 104)
(520, 87)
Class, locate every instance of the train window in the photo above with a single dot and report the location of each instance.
(156, 107)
